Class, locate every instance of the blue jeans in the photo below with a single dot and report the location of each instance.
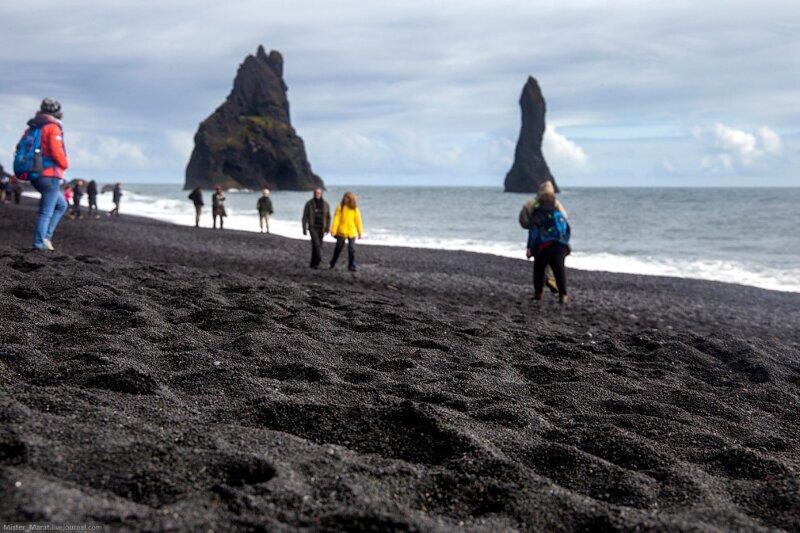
(51, 207)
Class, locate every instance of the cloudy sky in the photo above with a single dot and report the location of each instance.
(639, 93)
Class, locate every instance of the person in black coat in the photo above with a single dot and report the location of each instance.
(117, 197)
(91, 192)
(317, 221)
(77, 194)
(196, 197)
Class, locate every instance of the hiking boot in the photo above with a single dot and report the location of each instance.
(538, 296)
(552, 285)
(48, 245)
(564, 299)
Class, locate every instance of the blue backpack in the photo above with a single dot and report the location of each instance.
(28, 159)
(549, 224)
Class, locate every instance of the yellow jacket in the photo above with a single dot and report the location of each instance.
(346, 222)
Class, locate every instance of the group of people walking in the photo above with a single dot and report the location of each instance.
(41, 159)
(345, 226)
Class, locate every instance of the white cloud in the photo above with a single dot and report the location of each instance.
(102, 152)
(181, 142)
(772, 142)
(737, 143)
(732, 149)
(561, 152)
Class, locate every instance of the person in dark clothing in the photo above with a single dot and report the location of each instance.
(264, 206)
(196, 197)
(218, 206)
(5, 185)
(548, 243)
(77, 194)
(117, 192)
(91, 192)
(317, 221)
(16, 188)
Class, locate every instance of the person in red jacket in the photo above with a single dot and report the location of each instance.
(52, 205)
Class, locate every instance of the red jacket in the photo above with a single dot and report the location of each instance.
(53, 151)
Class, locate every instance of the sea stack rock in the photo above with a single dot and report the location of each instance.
(249, 141)
(530, 169)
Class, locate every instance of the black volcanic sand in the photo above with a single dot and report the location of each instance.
(157, 377)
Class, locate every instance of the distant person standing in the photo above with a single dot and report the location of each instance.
(4, 182)
(45, 168)
(346, 226)
(68, 198)
(117, 198)
(16, 188)
(77, 194)
(548, 244)
(91, 193)
(218, 206)
(196, 196)
(264, 206)
(317, 221)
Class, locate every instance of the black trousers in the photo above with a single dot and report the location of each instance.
(553, 255)
(92, 204)
(351, 252)
(316, 246)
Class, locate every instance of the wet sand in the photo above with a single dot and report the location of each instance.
(158, 377)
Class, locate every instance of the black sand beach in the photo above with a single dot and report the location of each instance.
(156, 377)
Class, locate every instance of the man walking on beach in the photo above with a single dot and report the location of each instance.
(317, 220)
(117, 198)
(197, 199)
(53, 162)
(264, 206)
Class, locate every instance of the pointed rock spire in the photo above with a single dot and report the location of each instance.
(530, 169)
(249, 141)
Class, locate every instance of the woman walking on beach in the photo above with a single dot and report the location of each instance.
(525, 219)
(218, 206)
(54, 162)
(346, 225)
(548, 243)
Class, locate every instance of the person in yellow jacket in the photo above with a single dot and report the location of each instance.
(346, 225)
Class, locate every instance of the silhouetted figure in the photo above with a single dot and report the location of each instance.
(196, 196)
(218, 206)
(77, 194)
(91, 193)
(317, 221)
(264, 206)
(117, 198)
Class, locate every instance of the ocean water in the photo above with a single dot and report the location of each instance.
(746, 236)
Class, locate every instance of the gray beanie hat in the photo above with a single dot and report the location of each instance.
(50, 106)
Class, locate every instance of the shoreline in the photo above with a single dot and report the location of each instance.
(646, 269)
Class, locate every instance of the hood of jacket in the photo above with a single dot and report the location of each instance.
(41, 119)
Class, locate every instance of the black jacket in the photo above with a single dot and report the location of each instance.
(264, 205)
(197, 198)
(310, 216)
